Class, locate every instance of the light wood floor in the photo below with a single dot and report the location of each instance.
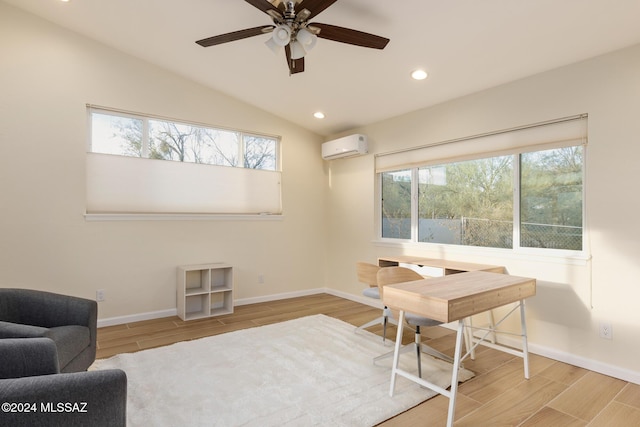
(557, 394)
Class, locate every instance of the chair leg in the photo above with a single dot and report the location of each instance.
(403, 350)
(373, 322)
(435, 353)
(386, 314)
(428, 350)
(418, 356)
(384, 328)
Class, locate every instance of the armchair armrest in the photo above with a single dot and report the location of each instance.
(25, 357)
(94, 398)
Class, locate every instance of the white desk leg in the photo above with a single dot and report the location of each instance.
(468, 338)
(455, 372)
(396, 353)
(525, 346)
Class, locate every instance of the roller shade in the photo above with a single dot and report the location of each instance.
(564, 132)
(119, 184)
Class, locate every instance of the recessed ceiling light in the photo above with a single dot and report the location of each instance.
(318, 115)
(419, 74)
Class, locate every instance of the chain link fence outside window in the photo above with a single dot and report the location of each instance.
(486, 233)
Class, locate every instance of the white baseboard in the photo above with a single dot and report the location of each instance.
(571, 359)
(357, 298)
(111, 321)
(120, 320)
(579, 361)
(276, 297)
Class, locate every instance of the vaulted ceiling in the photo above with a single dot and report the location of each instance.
(464, 45)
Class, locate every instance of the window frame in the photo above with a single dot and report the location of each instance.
(517, 249)
(146, 118)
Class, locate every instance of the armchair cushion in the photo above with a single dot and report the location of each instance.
(17, 330)
(71, 341)
(69, 321)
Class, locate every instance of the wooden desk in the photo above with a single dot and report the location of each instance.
(425, 267)
(454, 298)
(447, 266)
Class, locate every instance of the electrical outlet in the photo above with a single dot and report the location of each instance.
(260, 279)
(100, 295)
(606, 331)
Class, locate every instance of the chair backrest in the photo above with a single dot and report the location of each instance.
(391, 275)
(367, 273)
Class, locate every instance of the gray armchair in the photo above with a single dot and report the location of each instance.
(70, 322)
(33, 393)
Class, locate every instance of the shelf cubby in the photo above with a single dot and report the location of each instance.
(204, 290)
(220, 303)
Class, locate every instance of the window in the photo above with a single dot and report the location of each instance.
(467, 203)
(551, 199)
(532, 198)
(134, 136)
(396, 204)
(209, 170)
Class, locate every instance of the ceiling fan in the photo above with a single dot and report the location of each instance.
(294, 32)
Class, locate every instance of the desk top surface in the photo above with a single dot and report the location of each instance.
(454, 266)
(458, 296)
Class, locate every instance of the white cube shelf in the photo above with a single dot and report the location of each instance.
(204, 290)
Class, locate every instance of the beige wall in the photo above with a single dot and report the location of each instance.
(47, 76)
(573, 296)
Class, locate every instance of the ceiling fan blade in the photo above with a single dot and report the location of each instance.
(295, 65)
(315, 6)
(349, 36)
(235, 35)
(266, 7)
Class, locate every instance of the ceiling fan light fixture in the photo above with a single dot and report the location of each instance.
(291, 29)
(275, 48)
(297, 51)
(307, 39)
(281, 35)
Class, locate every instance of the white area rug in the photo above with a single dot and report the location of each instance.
(309, 371)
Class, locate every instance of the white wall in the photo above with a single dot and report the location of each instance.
(47, 76)
(572, 298)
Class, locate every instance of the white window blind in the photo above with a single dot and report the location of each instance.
(566, 132)
(119, 184)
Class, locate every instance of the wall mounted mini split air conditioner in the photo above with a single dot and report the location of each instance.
(352, 145)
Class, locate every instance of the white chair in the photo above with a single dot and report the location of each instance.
(367, 274)
(391, 275)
